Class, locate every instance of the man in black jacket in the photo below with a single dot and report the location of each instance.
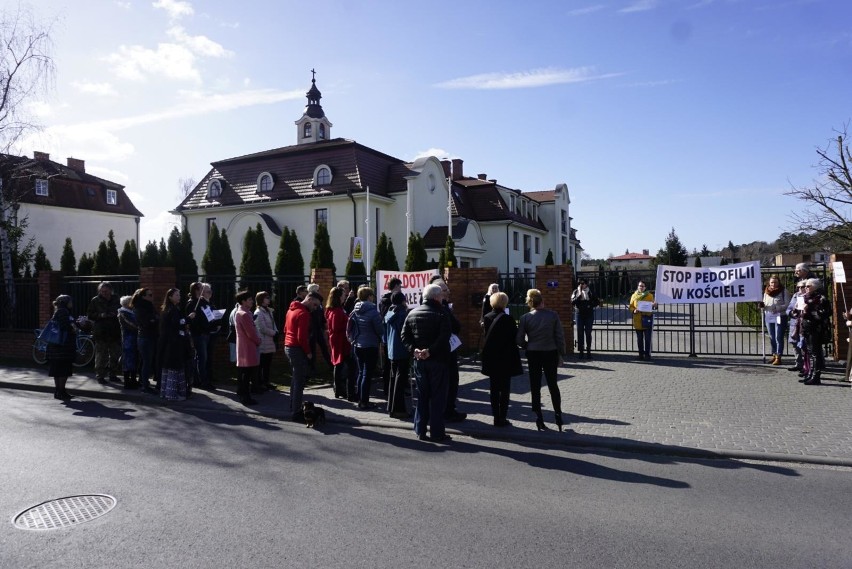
(584, 301)
(426, 333)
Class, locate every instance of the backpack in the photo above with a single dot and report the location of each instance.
(352, 330)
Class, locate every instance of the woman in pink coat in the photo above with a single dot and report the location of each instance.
(248, 340)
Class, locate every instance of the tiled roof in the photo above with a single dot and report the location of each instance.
(630, 257)
(542, 196)
(436, 237)
(480, 200)
(354, 167)
(67, 187)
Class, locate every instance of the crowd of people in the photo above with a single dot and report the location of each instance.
(356, 333)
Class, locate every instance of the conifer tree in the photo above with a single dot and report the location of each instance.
(84, 268)
(298, 262)
(281, 259)
(130, 258)
(99, 260)
(697, 261)
(673, 253)
(247, 261)
(150, 256)
(227, 266)
(210, 260)
(322, 256)
(189, 266)
(381, 255)
(68, 262)
(416, 259)
(442, 260)
(41, 262)
(450, 252)
(164, 259)
(113, 262)
(548, 261)
(392, 263)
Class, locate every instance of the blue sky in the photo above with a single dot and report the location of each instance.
(693, 114)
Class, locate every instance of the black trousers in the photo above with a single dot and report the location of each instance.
(245, 375)
(500, 396)
(398, 381)
(546, 362)
(452, 384)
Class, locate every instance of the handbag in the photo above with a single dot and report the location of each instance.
(647, 322)
(51, 334)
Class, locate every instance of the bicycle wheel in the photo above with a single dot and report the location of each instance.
(40, 352)
(85, 352)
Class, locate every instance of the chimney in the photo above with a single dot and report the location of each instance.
(644, 251)
(458, 169)
(447, 168)
(482, 176)
(77, 165)
(41, 156)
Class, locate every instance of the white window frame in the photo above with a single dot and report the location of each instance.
(112, 197)
(41, 187)
(307, 130)
(214, 189)
(321, 131)
(317, 171)
(260, 178)
(317, 220)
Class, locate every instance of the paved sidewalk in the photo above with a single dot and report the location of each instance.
(674, 405)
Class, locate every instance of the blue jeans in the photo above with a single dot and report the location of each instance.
(776, 334)
(584, 332)
(431, 381)
(299, 366)
(367, 358)
(146, 355)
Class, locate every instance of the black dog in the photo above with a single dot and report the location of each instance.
(314, 416)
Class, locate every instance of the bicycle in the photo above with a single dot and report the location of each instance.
(83, 353)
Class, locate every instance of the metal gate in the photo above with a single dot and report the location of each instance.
(692, 329)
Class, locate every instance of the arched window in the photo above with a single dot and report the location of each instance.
(322, 131)
(265, 183)
(307, 130)
(214, 189)
(322, 176)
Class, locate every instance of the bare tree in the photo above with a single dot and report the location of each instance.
(828, 200)
(185, 186)
(26, 69)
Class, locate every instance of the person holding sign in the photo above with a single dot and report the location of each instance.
(642, 307)
(774, 307)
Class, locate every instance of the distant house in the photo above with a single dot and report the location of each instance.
(631, 260)
(62, 200)
(709, 261)
(790, 259)
(358, 191)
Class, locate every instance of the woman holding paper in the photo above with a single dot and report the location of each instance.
(774, 306)
(642, 307)
(199, 311)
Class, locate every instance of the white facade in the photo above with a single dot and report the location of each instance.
(50, 226)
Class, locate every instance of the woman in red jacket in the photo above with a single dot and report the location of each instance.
(341, 349)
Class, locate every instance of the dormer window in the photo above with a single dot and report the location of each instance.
(41, 187)
(112, 197)
(214, 189)
(265, 183)
(322, 176)
(307, 130)
(512, 203)
(322, 131)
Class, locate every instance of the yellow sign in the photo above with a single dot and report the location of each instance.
(357, 250)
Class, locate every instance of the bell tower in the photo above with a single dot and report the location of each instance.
(313, 126)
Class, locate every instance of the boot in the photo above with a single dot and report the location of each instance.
(813, 378)
(557, 418)
(777, 360)
(539, 422)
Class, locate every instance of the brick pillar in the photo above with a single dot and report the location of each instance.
(467, 287)
(841, 334)
(325, 279)
(159, 280)
(49, 287)
(556, 283)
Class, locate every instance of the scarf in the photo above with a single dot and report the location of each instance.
(773, 292)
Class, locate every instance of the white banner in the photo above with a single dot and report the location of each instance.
(709, 285)
(412, 283)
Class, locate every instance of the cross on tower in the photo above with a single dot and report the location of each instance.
(313, 75)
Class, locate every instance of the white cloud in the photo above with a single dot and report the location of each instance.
(200, 45)
(115, 176)
(526, 79)
(169, 60)
(40, 109)
(639, 6)
(125, 5)
(175, 8)
(586, 10)
(160, 225)
(438, 153)
(660, 83)
(102, 89)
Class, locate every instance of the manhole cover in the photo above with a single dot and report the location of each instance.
(752, 370)
(65, 512)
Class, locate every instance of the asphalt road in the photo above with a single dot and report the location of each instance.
(207, 489)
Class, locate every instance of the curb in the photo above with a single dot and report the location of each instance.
(567, 439)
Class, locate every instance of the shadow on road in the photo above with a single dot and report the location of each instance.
(99, 410)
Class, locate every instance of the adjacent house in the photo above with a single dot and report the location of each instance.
(62, 200)
(358, 191)
(631, 260)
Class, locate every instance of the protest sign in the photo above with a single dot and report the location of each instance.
(709, 285)
(412, 283)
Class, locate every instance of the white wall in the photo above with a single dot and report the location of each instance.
(50, 226)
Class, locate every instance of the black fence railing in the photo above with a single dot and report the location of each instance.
(83, 289)
(516, 285)
(24, 314)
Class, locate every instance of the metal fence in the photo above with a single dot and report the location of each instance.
(516, 285)
(24, 314)
(693, 329)
(83, 289)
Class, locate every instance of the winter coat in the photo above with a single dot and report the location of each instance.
(67, 350)
(774, 306)
(199, 325)
(394, 319)
(336, 319)
(540, 330)
(104, 314)
(146, 318)
(174, 350)
(428, 326)
(247, 339)
(297, 327)
(265, 322)
(369, 322)
(816, 319)
(500, 354)
(584, 303)
(634, 300)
